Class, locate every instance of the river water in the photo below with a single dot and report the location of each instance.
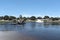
(30, 31)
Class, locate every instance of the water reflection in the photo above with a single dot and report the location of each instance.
(27, 26)
(46, 25)
(40, 31)
(54, 23)
(33, 25)
(11, 27)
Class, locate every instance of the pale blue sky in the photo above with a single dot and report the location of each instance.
(30, 7)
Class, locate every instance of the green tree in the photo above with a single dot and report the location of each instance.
(39, 17)
(33, 18)
(55, 19)
(46, 17)
(6, 17)
(28, 17)
(25, 18)
(20, 16)
(1, 17)
(12, 17)
(17, 18)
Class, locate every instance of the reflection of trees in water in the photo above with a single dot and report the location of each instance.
(6, 27)
(33, 25)
(39, 24)
(13, 27)
(52, 24)
(20, 27)
(46, 25)
(55, 23)
(9, 27)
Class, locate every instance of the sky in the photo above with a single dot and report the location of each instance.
(30, 8)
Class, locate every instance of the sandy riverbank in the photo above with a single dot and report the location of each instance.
(39, 21)
(11, 35)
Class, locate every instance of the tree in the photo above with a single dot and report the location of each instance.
(28, 17)
(33, 18)
(6, 17)
(55, 19)
(39, 17)
(1, 17)
(20, 16)
(12, 17)
(51, 17)
(24, 18)
(17, 18)
(46, 17)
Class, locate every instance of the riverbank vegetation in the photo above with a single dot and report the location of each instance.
(7, 18)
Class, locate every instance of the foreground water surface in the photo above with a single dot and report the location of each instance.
(30, 31)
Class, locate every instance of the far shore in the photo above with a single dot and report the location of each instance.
(38, 20)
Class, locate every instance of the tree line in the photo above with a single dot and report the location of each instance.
(6, 17)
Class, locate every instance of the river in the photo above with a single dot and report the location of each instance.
(30, 31)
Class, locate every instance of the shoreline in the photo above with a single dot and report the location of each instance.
(38, 20)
